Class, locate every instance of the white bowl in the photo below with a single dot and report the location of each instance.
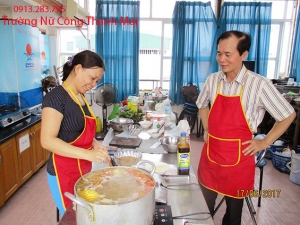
(154, 134)
(145, 124)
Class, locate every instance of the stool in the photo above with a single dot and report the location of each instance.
(261, 162)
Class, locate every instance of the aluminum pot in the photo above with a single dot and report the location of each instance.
(117, 123)
(140, 211)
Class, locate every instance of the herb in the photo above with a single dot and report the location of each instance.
(135, 116)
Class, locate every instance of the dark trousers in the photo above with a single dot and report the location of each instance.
(234, 207)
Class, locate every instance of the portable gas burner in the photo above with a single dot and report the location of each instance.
(163, 215)
(10, 115)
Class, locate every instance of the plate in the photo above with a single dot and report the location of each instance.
(161, 167)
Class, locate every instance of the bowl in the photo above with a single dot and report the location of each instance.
(132, 129)
(297, 101)
(117, 123)
(160, 98)
(127, 157)
(169, 143)
(145, 124)
(154, 134)
(160, 167)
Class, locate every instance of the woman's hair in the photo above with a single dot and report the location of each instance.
(244, 39)
(87, 59)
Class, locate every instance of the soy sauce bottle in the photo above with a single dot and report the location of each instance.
(183, 156)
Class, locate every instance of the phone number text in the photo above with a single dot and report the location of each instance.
(39, 9)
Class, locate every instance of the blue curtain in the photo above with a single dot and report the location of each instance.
(295, 61)
(194, 27)
(253, 18)
(117, 41)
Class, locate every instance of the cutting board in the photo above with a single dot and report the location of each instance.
(125, 142)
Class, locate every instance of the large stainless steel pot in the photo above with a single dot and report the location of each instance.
(138, 212)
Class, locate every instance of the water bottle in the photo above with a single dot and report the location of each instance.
(168, 111)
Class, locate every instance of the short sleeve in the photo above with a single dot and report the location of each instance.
(55, 99)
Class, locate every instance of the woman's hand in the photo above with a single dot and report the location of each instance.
(99, 155)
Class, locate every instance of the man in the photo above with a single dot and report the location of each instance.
(238, 99)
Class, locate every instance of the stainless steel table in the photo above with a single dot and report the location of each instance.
(187, 199)
(183, 200)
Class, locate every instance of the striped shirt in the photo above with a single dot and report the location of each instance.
(258, 95)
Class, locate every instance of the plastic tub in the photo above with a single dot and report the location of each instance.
(294, 167)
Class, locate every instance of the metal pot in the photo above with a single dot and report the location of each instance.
(117, 123)
(140, 211)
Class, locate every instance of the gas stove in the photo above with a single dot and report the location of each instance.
(10, 115)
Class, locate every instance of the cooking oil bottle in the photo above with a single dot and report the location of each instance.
(183, 156)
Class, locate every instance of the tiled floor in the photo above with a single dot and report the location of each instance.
(33, 205)
(274, 211)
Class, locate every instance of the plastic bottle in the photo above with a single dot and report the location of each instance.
(134, 104)
(157, 123)
(146, 107)
(98, 124)
(168, 110)
(183, 156)
(129, 99)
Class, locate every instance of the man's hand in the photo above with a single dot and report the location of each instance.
(254, 146)
(205, 135)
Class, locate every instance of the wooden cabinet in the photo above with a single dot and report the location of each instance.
(20, 157)
(9, 170)
(39, 156)
(30, 152)
(25, 155)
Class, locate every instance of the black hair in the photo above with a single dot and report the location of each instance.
(244, 39)
(87, 59)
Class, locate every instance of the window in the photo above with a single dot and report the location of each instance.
(156, 39)
(72, 39)
(155, 42)
(70, 46)
(283, 16)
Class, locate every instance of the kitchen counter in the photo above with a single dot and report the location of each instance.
(286, 89)
(8, 132)
(182, 199)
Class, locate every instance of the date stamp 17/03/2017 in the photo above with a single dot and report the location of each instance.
(264, 193)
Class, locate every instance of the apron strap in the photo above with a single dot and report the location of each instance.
(241, 87)
(77, 100)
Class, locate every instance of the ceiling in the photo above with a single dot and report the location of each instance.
(12, 2)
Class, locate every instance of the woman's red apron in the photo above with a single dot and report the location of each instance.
(69, 170)
(223, 167)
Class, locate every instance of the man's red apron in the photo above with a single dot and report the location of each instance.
(69, 170)
(223, 167)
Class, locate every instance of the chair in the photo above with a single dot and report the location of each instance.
(190, 112)
(261, 162)
(57, 215)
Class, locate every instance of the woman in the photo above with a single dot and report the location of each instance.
(69, 125)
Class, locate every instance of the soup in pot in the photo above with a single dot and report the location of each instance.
(114, 185)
